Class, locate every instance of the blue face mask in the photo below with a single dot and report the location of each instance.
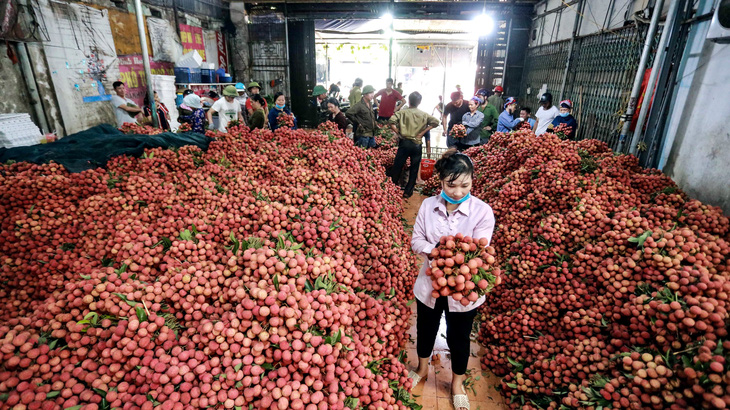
(281, 107)
(453, 201)
(564, 114)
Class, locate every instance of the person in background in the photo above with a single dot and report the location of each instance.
(455, 111)
(545, 114)
(472, 120)
(163, 114)
(496, 98)
(399, 88)
(363, 118)
(454, 211)
(242, 97)
(278, 108)
(458, 88)
(336, 116)
(196, 118)
(565, 117)
(125, 109)
(525, 113)
(257, 120)
(410, 124)
(320, 101)
(355, 92)
(439, 107)
(334, 91)
(491, 116)
(209, 98)
(227, 108)
(507, 121)
(390, 101)
(183, 110)
(254, 89)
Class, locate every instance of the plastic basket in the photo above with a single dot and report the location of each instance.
(427, 166)
(184, 75)
(208, 76)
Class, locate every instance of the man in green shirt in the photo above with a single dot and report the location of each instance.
(410, 125)
(356, 93)
(491, 115)
(496, 98)
(363, 115)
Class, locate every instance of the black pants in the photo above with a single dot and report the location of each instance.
(407, 149)
(458, 330)
(463, 147)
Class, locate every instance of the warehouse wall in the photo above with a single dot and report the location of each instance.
(696, 153)
(15, 95)
(553, 20)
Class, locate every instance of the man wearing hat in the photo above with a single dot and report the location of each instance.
(455, 111)
(320, 95)
(254, 88)
(228, 109)
(496, 98)
(363, 115)
(491, 115)
(566, 118)
(507, 121)
(545, 114)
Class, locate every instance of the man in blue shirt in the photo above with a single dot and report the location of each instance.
(525, 113)
(565, 117)
(507, 121)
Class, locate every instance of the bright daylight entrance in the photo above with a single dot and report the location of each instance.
(428, 56)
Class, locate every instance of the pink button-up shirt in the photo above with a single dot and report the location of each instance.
(472, 218)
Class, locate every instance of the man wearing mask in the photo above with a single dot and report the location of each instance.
(507, 121)
(496, 98)
(545, 114)
(228, 109)
(455, 111)
(363, 116)
(491, 115)
(566, 118)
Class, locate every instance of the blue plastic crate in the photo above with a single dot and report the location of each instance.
(208, 76)
(184, 75)
(226, 79)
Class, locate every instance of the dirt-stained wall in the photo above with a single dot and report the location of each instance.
(15, 95)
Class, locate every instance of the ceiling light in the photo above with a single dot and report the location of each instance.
(483, 24)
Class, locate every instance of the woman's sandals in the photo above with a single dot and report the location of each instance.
(415, 377)
(461, 401)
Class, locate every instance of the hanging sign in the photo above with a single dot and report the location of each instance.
(222, 52)
(192, 39)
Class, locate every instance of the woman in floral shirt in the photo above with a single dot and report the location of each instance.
(197, 118)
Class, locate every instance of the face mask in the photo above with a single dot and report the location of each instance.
(564, 114)
(452, 201)
(281, 107)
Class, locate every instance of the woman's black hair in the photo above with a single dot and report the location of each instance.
(259, 99)
(453, 164)
(187, 92)
(147, 98)
(277, 95)
(333, 101)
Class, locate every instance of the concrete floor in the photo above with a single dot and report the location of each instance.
(435, 391)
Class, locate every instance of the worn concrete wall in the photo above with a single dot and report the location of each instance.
(696, 150)
(15, 96)
(554, 20)
(238, 47)
(46, 91)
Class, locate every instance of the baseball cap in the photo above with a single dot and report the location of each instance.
(510, 101)
(567, 104)
(499, 89)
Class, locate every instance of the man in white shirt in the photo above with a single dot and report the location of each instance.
(228, 109)
(545, 114)
(124, 109)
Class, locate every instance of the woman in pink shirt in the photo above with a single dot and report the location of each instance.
(453, 211)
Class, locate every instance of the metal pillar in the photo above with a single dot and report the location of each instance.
(506, 53)
(146, 61)
(576, 27)
(30, 84)
(661, 51)
(636, 89)
(286, 39)
(390, 52)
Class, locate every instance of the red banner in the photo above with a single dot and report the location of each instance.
(222, 52)
(192, 39)
(131, 73)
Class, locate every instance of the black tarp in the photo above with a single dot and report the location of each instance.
(94, 147)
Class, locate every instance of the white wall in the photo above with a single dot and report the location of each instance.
(696, 153)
